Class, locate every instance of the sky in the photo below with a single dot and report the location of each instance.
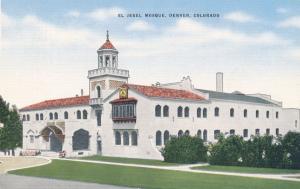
(47, 47)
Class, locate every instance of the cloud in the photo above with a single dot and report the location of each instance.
(291, 22)
(73, 13)
(102, 14)
(6, 21)
(281, 10)
(241, 17)
(140, 26)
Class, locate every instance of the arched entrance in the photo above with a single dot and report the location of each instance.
(55, 143)
(54, 136)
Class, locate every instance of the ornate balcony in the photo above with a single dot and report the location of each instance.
(96, 102)
(108, 71)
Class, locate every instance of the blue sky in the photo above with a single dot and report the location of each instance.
(48, 46)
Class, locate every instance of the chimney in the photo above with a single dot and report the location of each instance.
(219, 82)
(81, 92)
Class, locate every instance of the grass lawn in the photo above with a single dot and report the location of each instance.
(239, 169)
(148, 178)
(128, 160)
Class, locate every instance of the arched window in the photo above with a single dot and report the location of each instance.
(179, 111)
(166, 111)
(217, 111)
(24, 118)
(186, 112)
(117, 138)
(204, 113)
(28, 117)
(205, 135)
(245, 113)
(37, 117)
(245, 133)
(125, 138)
(199, 134)
(41, 116)
(277, 115)
(66, 115)
(81, 140)
(180, 133)
(51, 116)
(277, 131)
(98, 92)
(187, 133)
(78, 114)
(134, 140)
(84, 114)
(267, 114)
(198, 112)
(232, 132)
(231, 112)
(257, 132)
(216, 134)
(157, 111)
(166, 137)
(257, 114)
(158, 138)
(55, 115)
(268, 131)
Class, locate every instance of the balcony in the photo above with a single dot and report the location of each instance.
(96, 102)
(108, 71)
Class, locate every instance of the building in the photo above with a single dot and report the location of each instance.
(127, 120)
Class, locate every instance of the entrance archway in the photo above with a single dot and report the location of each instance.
(54, 136)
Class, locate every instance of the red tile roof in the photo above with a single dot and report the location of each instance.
(107, 45)
(56, 103)
(153, 91)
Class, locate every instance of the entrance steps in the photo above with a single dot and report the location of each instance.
(50, 154)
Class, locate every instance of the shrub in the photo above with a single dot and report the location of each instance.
(185, 149)
(227, 151)
(291, 144)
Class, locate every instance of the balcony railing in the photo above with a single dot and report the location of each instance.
(96, 102)
(106, 71)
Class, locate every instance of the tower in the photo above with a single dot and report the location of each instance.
(107, 77)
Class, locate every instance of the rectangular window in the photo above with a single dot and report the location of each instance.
(277, 115)
(98, 115)
(245, 133)
(123, 112)
(216, 134)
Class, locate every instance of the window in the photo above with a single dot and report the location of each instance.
(166, 111)
(37, 117)
(257, 132)
(158, 138)
(199, 134)
(179, 111)
(277, 115)
(107, 61)
(205, 135)
(277, 131)
(198, 112)
(78, 114)
(267, 114)
(231, 112)
(124, 112)
(84, 114)
(28, 117)
(98, 115)
(31, 139)
(166, 137)
(245, 112)
(157, 111)
(125, 138)
(217, 112)
(216, 134)
(98, 92)
(267, 131)
(24, 118)
(51, 116)
(55, 115)
(117, 138)
(66, 115)
(245, 133)
(41, 116)
(186, 112)
(257, 114)
(296, 123)
(232, 132)
(204, 113)
(187, 133)
(81, 140)
(180, 133)
(134, 140)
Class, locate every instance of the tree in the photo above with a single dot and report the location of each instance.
(291, 144)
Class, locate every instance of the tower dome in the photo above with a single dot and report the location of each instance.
(107, 55)
(107, 44)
